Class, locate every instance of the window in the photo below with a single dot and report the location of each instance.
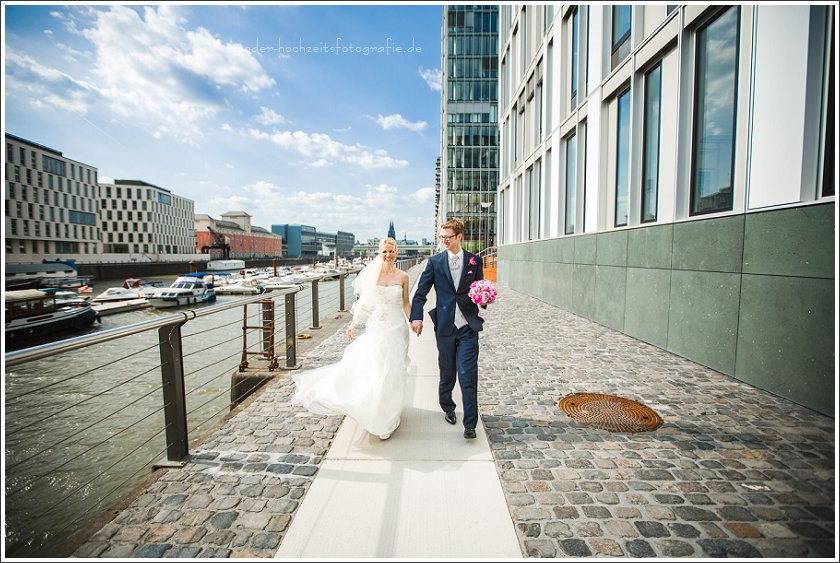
(582, 145)
(828, 152)
(650, 150)
(573, 75)
(534, 199)
(539, 109)
(622, 159)
(571, 177)
(715, 88)
(621, 18)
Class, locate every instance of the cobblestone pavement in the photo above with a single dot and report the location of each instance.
(733, 472)
(241, 487)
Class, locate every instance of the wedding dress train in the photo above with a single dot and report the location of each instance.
(368, 383)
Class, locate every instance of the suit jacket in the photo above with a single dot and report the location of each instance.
(437, 273)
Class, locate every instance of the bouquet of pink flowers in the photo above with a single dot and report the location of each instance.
(482, 292)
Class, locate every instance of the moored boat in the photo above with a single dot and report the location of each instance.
(188, 289)
(32, 313)
(225, 265)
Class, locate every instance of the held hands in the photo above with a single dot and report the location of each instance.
(417, 327)
(350, 333)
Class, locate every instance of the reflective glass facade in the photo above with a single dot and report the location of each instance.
(470, 126)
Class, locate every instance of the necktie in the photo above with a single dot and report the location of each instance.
(454, 263)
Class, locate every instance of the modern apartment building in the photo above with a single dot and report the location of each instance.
(51, 203)
(469, 163)
(144, 222)
(245, 240)
(668, 172)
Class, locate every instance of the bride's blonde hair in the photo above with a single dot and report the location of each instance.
(388, 240)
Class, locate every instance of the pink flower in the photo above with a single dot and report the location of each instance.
(482, 292)
(472, 260)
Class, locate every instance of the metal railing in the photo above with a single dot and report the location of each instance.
(88, 417)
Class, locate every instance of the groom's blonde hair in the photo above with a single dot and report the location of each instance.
(456, 225)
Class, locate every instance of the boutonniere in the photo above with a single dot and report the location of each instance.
(472, 260)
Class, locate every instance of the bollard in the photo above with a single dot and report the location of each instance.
(174, 398)
(315, 321)
(341, 292)
(291, 332)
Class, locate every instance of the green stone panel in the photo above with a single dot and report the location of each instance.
(539, 277)
(566, 250)
(503, 272)
(786, 339)
(611, 249)
(583, 291)
(558, 286)
(646, 312)
(610, 290)
(710, 245)
(791, 242)
(585, 246)
(650, 247)
(703, 319)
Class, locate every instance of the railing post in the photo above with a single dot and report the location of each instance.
(291, 333)
(315, 319)
(174, 397)
(341, 292)
(268, 327)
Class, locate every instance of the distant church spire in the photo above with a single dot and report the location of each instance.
(391, 232)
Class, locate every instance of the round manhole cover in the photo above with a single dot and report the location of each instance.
(608, 412)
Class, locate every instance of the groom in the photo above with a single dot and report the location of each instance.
(455, 319)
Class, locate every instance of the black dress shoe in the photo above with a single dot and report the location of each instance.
(450, 417)
(469, 433)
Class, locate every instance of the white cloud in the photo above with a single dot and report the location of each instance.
(45, 85)
(366, 215)
(270, 117)
(343, 129)
(325, 151)
(48, 32)
(425, 195)
(156, 72)
(432, 76)
(397, 121)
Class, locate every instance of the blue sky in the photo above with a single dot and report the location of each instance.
(322, 115)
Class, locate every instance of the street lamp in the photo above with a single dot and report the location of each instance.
(486, 205)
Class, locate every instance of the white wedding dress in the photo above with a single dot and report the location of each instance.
(368, 383)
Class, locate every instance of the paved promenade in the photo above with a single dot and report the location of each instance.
(733, 471)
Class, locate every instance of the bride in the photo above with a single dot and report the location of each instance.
(368, 383)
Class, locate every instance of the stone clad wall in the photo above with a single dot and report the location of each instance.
(751, 296)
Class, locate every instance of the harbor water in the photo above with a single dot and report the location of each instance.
(84, 427)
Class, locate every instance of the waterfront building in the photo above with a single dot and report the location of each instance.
(51, 203)
(299, 241)
(344, 243)
(469, 162)
(144, 222)
(668, 171)
(235, 229)
(326, 245)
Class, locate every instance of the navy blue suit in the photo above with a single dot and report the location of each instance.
(457, 348)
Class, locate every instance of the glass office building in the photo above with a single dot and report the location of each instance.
(469, 130)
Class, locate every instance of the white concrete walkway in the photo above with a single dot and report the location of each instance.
(424, 493)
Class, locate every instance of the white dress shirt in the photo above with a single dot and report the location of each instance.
(456, 272)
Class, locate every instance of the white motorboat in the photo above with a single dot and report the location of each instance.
(113, 294)
(31, 313)
(188, 289)
(225, 265)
